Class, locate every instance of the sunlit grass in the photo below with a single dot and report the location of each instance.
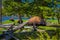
(8, 21)
(47, 28)
(2, 29)
(52, 21)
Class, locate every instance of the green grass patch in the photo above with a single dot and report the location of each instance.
(1, 30)
(47, 28)
(53, 21)
(8, 21)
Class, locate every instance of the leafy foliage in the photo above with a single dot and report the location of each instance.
(41, 8)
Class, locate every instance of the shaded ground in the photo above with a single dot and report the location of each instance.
(50, 34)
(38, 35)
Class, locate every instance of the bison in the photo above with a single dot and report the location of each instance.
(36, 21)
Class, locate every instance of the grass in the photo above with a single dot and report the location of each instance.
(8, 21)
(35, 35)
(46, 28)
(52, 21)
(1, 29)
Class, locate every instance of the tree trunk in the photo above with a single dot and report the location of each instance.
(58, 17)
(58, 20)
(43, 21)
(0, 12)
(0, 19)
(20, 21)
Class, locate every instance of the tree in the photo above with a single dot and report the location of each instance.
(58, 14)
(12, 7)
(38, 7)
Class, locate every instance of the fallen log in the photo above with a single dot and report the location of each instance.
(20, 26)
